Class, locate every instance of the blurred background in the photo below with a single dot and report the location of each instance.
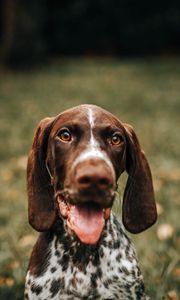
(121, 55)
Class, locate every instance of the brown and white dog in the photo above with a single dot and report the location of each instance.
(73, 168)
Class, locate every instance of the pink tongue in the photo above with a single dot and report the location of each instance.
(86, 222)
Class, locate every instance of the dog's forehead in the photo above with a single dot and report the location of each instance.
(97, 115)
(87, 115)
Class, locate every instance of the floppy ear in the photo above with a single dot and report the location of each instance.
(139, 208)
(40, 192)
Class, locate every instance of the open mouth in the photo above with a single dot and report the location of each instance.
(86, 220)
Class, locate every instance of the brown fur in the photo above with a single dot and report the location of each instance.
(49, 167)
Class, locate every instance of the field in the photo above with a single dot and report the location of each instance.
(144, 93)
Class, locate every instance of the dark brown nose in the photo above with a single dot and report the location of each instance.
(94, 175)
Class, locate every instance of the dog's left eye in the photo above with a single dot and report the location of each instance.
(65, 135)
(116, 139)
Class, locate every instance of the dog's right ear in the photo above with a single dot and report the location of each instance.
(40, 191)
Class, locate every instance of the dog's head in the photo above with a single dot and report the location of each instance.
(73, 168)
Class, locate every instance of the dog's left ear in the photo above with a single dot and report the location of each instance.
(139, 208)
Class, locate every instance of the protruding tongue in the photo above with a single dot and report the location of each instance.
(87, 222)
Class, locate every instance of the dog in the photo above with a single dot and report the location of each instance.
(83, 251)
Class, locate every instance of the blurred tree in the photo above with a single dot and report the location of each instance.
(22, 24)
(31, 30)
(123, 27)
(7, 27)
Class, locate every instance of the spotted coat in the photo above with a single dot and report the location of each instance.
(106, 271)
(73, 169)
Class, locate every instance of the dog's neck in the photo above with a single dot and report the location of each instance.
(72, 245)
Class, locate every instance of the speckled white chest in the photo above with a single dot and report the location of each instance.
(116, 276)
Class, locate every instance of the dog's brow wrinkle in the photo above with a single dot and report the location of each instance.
(93, 143)
(91, 117)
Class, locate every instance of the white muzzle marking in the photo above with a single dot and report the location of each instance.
(93, 149)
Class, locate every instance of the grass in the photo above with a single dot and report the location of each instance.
(143, 93)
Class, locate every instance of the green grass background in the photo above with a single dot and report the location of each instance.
(144, 93)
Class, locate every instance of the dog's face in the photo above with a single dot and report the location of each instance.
(86, 154)
(82, 152)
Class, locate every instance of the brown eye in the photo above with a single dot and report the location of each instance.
(116, 139)
(65, 135)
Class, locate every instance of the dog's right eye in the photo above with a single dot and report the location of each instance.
(65, 135)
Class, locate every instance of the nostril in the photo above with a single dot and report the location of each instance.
(93, 181)
(85, 180)
(103, 183)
